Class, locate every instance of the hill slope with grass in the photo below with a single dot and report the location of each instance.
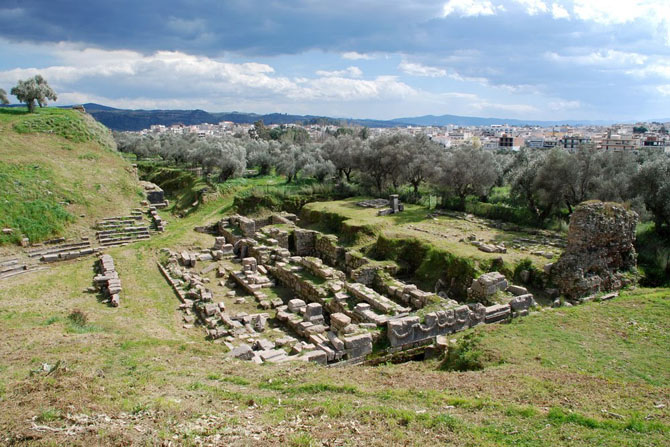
(59, 173)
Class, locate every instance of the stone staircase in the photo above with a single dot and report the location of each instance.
(122, 230)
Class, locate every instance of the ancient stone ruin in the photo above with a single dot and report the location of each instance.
(600, 255)
(341, 304)
(393, 203)
(155, 195)
(121, 230)
(107, 281)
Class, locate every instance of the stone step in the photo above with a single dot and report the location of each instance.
(109, 241)
(8, 262)
(128, 230)
(58, 249)
(20, 272)
(12, 268)
(117, 218)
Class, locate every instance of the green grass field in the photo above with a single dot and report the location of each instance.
(59, 172)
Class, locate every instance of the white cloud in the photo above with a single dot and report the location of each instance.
(469, 8)
(334, 88)
(171, 74)
(519, 109)
(534, 7)
(609, 12)
(354, 56)
(353, 72)
(561, 105)
(660, 68)
(415, 69)
(608, 58)
(559, 12)
(664, 89)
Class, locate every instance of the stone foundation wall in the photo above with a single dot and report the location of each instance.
(305, 242)
(600, 250)
(407, 330)
(408, 294)
(327, 249)
(305, 289)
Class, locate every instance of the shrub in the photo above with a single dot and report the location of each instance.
(78, 318)
(466, 355)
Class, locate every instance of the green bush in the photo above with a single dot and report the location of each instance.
(653, 256)
(427, 264)
(466, 355)
(498, 211)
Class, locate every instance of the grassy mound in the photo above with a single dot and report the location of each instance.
(428, 248)
(59, 173)
(28, 203)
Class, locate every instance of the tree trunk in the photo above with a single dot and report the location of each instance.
(31, 106)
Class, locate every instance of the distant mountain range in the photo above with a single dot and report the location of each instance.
(121, 119)
(444, 120)
(133, 120)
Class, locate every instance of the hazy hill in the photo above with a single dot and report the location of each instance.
(444, 120)
(122, 119)
(59, 172)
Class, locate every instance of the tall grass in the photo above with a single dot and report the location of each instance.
(30, 203)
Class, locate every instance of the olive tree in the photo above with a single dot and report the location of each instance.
(342, 152)
(3, 97)
(35, 89)
(468, 171)
(652, 183)
(422, 158)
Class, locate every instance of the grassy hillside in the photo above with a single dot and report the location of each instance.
(595, 374)
(59, 172)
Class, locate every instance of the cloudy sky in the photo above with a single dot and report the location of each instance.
(532, 59)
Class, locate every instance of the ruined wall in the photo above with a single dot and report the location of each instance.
(327, 249)
(305, 242)
(409, 329)
(600, 250)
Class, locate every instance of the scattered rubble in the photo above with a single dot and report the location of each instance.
(342, 303)
(107, 281)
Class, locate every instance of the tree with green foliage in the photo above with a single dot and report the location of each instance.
(292, 160)
(3, 97)
(380, 160)
(35, 89)
(527, 177)
(341, 151)
(468, 171)
(422, 160)
(652, 183)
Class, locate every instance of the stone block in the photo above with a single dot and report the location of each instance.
(295, 305)
(263, 345)
(522, 302)
(335, 341)
(497, 312)
(358, 345)
(243, 352)
(339, 320)
(317, 356)
(517, 290)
